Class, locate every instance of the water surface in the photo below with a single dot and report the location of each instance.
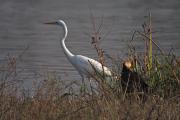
(21, 26)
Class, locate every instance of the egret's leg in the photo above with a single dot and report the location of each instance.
(89, 79)
(82, 77)
(83, 82)
(91, 87)
(83, 87)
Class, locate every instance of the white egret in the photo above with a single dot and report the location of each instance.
(84, 65)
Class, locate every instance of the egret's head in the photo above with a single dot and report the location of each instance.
(58, 22)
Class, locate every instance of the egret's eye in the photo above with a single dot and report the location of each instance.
(93, 38)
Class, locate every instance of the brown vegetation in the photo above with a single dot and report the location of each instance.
(107, 101)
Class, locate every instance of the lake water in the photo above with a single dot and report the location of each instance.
(21, 25)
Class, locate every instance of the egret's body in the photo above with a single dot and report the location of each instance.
(84, 65)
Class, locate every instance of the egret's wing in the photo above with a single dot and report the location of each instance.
(89, 66)
(99, 67)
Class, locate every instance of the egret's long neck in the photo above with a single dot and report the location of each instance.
(65, 49)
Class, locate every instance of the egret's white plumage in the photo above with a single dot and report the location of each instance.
(84, 65)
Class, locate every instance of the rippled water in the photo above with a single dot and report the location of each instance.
(21, 26)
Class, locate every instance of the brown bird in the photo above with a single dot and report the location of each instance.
(131, 80)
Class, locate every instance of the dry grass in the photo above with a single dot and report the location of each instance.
(49, 102)
(107, 101)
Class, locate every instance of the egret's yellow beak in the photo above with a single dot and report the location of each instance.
(51, 23)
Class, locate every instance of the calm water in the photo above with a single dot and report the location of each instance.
(21, 26)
